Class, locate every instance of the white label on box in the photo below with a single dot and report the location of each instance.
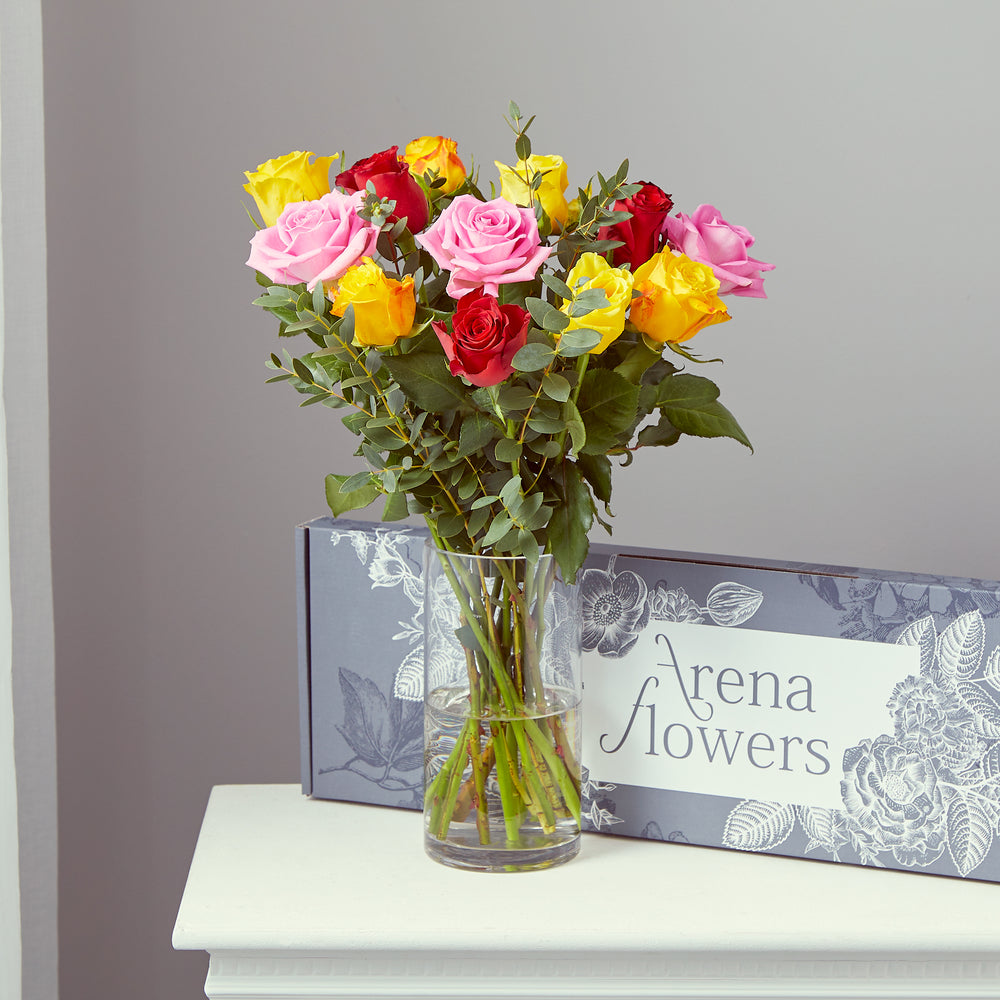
(737, 712)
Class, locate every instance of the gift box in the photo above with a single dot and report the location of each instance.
(810, 711)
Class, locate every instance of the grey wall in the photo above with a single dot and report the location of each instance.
(25, 405)
(856, 140)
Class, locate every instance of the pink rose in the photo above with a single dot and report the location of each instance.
(484, 244)
(314, 241)
(707, 238)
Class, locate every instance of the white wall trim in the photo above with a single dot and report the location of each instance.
(10, 882)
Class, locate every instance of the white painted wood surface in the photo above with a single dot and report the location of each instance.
(294, 897)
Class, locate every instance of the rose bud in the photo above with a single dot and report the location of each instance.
(642, 235)
(391, 178)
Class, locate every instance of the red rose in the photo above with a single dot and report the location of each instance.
(391, 177)
(485, 337)
(643, 233)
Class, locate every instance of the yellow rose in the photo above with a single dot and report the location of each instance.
(593, 271)
(678, 297)
(288, 178)
(550, 194)
(383, 307)
(436, 153)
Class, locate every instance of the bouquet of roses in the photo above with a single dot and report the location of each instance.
(494, 354)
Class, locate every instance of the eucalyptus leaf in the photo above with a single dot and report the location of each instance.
(355, 482)
(546, 425)
(556, 387)
(511, 493)
(484, 501)
(477, 521)
(449, 525)
(512, 398)
(507, 451)
(557, 285)
(528, 545)
(532, 358)
(500, 526)
(573, 343)
(589, 300)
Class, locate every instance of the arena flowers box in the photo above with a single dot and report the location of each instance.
(809, 711)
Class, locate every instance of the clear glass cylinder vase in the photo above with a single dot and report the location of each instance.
(502, 688)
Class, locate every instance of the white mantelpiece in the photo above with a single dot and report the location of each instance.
(295, 897)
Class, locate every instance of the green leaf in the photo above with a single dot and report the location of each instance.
(302, 371)
(484, 502)
(607, 405)
(500, 526)
(557, 285)
(515, 397)
(476, 432)
(574, 424)
(427, 380)
(355, 482)
(522, 146)
(589, 300)
(596, 470)
(546, 315)
(450, 524)
(507, 451)
(510, 495)
(372, 455)
(477, 521)
(319, 303)
(691, 404)
(573, 343)
(546, 447)
(546, 425)
(556, 387)
(662, 433)
(528, 545)
(390, 480)
(555, 321)
(513, 111)
(571, 521)
(708, 418)
(538, 519)
(345, 329)
(637, 362)
(685, 391)
(532, 358)
(341, 503)
(383, 437)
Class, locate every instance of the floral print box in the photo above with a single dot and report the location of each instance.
(810, 711)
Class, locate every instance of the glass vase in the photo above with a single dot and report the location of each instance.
(502, 687)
